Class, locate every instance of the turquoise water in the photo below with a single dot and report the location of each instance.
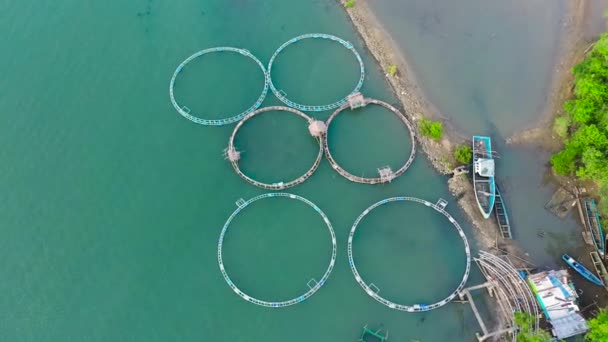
(112, 203)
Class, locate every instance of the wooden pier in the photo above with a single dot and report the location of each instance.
(509, 291)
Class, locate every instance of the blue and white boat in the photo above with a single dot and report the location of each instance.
(483, 174)
(595, 226)
(582, 270)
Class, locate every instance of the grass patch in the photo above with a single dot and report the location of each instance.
(349, 4)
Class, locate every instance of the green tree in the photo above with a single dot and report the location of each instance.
(525, 323)
(349, 4)
(564, 162)
(463, 154)
(431, 129)
(598, 327)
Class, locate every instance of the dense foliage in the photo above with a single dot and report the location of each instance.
(525, 322)
(431, 129)
(392, 70)
(598, 327)
(463, 154)
(585, 125)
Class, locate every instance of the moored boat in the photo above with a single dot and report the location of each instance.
(483, 174)
(500, 210)
(582, 270)
(594, 225)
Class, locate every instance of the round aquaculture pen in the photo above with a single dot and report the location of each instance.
(313, 284)
(385, 174)
(186, 112)
(373, 290)
(316, 129)
(282, 96)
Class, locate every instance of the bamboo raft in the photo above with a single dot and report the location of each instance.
(600, 269)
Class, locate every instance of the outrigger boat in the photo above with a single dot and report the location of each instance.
(500, 210)
(483, 174)
(595, 226)
(582, 270)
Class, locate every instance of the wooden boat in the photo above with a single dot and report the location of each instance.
(500, 210)
(595, 226)
(582, 270)
(369, 335)
(600, 269)
(483, 174)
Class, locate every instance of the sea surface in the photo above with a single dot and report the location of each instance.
(112, 204)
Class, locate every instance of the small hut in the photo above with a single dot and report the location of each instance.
(386, 174)
(356, 100)
(317, 128)
(232, 154)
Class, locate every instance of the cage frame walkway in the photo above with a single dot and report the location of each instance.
(185, 111)
(242, 204)
(364, 101)
(282, 96)
(231, 150)
(440, 208)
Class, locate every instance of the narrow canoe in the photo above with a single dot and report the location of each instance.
(582, 270)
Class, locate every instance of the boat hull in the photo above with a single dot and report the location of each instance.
(582, 270)
(595, 226)
(485, 187)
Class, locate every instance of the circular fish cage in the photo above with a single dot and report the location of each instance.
(282, 96)
(372, 290)
(316, 129)
(186, 112)
(312, 284)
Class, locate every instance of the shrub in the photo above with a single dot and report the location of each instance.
(561, 126)
(463, 154)
(598, 327)
(431, 129)
(392, 70)
(349, 4)
(524, 322)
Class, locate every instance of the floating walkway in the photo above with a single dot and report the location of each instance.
(372, 290)
(282, 96)
(312, 284)
(186, 112)
(385, 173)
(316, 128)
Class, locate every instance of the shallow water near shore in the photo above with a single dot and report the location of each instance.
(113, 204)
(488, 67)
